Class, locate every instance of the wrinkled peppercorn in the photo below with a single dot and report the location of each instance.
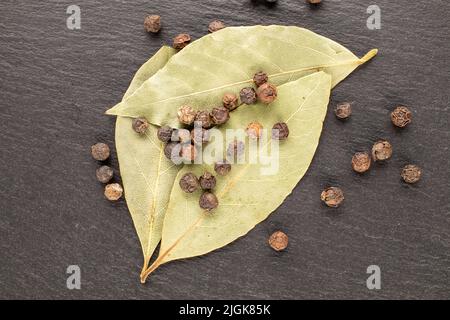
(220, 115)
(343, 110)
(189, 183)
(104, 174)
(216, 25)
(254, 130)
(181, 41)
(235, 149)
(207, 181)
(165, 133)
(248, 95)
(260, 78)
(140, 125)
(361, 162)
(411, 173)
(278, 241)
(205, 119)
(100, 151)
(381, 150)
(222, 167)
(113, 191)
(208, 201)
(181, 135)
(172, 151)
(267, 93)
(401, 116)
(332, 196)
(188, 153)
(200, 135)
(152, 23)
(186, 115)
(280, 131)
(230, 101)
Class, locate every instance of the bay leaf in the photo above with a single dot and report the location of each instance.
(146, 174)
(245, 196)
(225, 61)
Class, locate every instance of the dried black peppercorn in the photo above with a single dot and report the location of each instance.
(401, 116)
(205, 119)
(140, 125)
(152, 23)
(381, 150)
(260, 78)
(104, 174)
(230, 101)
(216, 25)
(165, 133)
(361, 162)
(254, 130)
(222, 167)
(181, 135)
(200, 136)
(280, 131)
(208, 201)
(100, 151)
(235, 150)
(248, 95)
(220, 115)
(411, 173)
(189, 183)
(172, 151)
(332, 196)
(188, 153)
(207, 181)
(267, 93)
(181, 41)
(113, 191)
(186, 115)
(278, 241)
(343, 110)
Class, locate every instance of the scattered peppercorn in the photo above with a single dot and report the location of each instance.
(343, 110)
(361, 162)
(199, 135)
(235, 149)
(411, 173)
(220, 115)
(381, 150)
(230, 101)
(267, 93)
(208, 201)
(113, 191)
(248, 95)
(205, 119)
(401, 116)
(140, 125)
(280, 131)
(189, 183)
(172, 151)
(181, 135)
(165, 133)
(100, 151)
(216, 25)
(332, 196)
(181, 41)
(278, 241)
(207, 181)
(104, 174)
(254, 130)
(222, 167)
(186, 115)
(188, 153)
(152, 23)
(260, 78)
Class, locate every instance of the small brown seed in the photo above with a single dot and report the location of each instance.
(205, 118)
(189, 183)
(230, 101)
(267, 93)
(165, 133)
(208, 201)
(411, 173)
(188, 153)
(181, 41)
(216, 25)
(222, 168)
(104, 174)
(248, 95)
(343, 110)
(172, 151)
(280, 131)
(220, 115)
(254, 130)
(260, 78)
(200, 136)
(100, 151)
(140, 125)
(401, 116)
(278, 241)
(186, 115)
(113, 191)
(181, 135)
(207, 181)
(381, 150)
(152, 23)
(332, 196)
(361, 162)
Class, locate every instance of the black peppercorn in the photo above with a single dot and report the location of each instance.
(181, 135)
(205, 119)
(207, 181)
(104, 174)
(230, 101)
(200, 136)
(100, 151)
(140, 125)
(208, 201)
(172, 151)
(248, 95)
(222, 167)
(165, 133)
(280, 131)
(411, 173)
(189, 182)
(254, 130)
(216, 25)
(152, 23)
(278, 241)
(260, 78)
(220, 115)
(188, 153)
(186, 115)
(332, 196)
(267, 93)
(381, 150)
(113, 191)
(181, 41)
(361, 162)
(235, 150)
(401, 116)
(343, 110)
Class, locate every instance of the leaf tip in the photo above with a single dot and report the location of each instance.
(369, 55)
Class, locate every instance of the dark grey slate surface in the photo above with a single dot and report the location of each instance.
(56, 83)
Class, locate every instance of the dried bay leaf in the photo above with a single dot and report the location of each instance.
(226, 60)
(146, 174)
(245, 196)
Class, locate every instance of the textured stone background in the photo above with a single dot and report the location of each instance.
(56, 84)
